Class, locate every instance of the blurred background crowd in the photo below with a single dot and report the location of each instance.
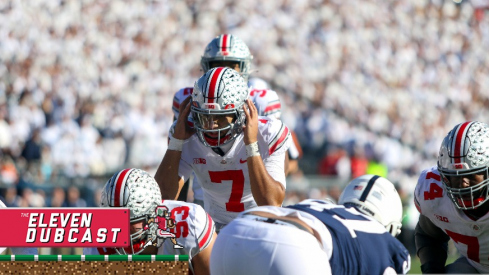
(368, 86)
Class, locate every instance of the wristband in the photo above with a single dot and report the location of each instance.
(252, 149)
(175, 144)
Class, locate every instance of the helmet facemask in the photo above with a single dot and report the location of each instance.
(214, 62)
(137, 239)
(466, 198)
(204, 121)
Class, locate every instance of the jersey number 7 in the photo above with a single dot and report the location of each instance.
(237, 178)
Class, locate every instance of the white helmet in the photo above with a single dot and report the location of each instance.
(464, 152)
(227, 47)
(138, 191)
(267, 103)
(377, 197)
(219, 92)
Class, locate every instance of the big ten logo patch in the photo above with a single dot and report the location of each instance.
(441, 218)
(199, 161)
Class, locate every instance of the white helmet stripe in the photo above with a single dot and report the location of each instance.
(117, 199)
(458, 143)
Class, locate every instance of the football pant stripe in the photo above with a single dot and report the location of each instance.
(207, 236)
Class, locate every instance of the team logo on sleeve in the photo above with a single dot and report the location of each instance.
(158, 228)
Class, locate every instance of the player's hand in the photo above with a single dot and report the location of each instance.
(182, 129)
(251, 126)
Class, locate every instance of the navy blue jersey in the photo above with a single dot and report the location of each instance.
(360, 245)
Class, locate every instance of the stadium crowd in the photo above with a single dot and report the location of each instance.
(86, 86)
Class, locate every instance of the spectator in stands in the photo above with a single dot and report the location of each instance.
(74, 199)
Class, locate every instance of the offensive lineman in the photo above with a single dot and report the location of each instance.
(317, 236)
(190, 232)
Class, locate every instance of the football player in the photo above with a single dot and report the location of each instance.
(225, 50)
(268, 104)
(188, 227)
(452, 200)
(317, 236)
(237, 156)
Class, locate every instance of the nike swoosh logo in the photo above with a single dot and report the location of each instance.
(242, 161)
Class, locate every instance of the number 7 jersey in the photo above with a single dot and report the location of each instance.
(225, 179)
(471, 238)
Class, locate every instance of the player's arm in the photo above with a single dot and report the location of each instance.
(431, 246)
(167, 175)
(294, 154)
(265, 189)
(287, 164)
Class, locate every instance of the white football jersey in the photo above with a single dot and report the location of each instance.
(471, 238)
(225, 179)
(193, 230)
(267, 102)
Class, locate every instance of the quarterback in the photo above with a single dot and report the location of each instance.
(225, 50)
(237, 156)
